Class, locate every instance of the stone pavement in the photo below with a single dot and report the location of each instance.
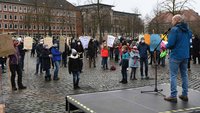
(49, 97)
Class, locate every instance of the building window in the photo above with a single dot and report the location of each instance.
(15, 8)
(34, 27)
(21, 26)
(15, 17)
(10, 17)
(6, 26)
(42, 27)
(5, 8)
(5, 17)
(10, 8)
(0, 17)
(16, 26)
(25, 9)
(20, 9)
(11, 26)
(0, 26)
(21, 17)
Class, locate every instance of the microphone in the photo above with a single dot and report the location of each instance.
(167, 30)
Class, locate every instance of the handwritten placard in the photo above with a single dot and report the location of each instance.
(28, 42)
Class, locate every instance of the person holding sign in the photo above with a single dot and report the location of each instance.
(14, 64)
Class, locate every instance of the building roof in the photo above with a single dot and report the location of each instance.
(166, 17)
(60, 4)
(125, 13)
(95, 4)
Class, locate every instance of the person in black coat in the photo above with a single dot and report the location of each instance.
(80, 51)
(196, 49)
(91, 53)
(65, 54)
(74, 68)
(46, 62)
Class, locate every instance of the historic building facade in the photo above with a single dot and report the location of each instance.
(39, 18)
(111, 21)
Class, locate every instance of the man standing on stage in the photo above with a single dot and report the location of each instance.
(179, 44)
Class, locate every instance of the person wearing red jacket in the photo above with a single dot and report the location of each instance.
(104, 55)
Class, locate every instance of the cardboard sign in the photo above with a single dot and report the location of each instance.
(28, 42)
(62, 44)
(6, 45)
(85, 41)
(110, 40)
(48, 41)
(147, 38)
(155, 40)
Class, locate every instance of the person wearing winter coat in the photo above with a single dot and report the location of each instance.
(56, 59)
(143, 49)
(80, 51)
(14, 65)
(124, 64)
(116, 52)
(104, 55)
(91, 53)
(134, 62)
(74, 68)
(46, 64)
(64, 55)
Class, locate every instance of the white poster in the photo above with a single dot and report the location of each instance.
(85, 41)
(28, 41)
(48, 41)
(110, 40)
(62, 44)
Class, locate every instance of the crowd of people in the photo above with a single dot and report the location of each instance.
(127, 52)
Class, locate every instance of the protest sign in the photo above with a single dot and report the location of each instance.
(62, 44)
(28, 42)
(6, 45)
(48, 41)
(155, 40)
(147, 38)
(110, 40)
(85, 41)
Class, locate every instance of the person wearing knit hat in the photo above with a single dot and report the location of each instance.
(74, 68)
(134, 62)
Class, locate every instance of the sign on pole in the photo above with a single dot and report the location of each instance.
(155, 40)
(28, 42)
(110, 40)
(6, 45)
(85, 41)
(48, 41)
(147, 38)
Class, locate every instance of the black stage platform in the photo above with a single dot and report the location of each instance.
(132, 101)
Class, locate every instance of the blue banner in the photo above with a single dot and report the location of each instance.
(155, 40)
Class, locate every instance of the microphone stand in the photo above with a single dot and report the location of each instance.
(156, 90)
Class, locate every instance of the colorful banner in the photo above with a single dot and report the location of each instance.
(28, 42)
(6, 45)
(155, 40)
(85, 41)
(110, 40)
(164, 37)
(48, 41)
(147, 38)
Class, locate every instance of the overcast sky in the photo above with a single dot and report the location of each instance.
(144, 6)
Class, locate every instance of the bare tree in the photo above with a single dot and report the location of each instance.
(175, 6)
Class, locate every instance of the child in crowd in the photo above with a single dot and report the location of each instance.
(104, 55)
(124, 64)
(134, 62)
